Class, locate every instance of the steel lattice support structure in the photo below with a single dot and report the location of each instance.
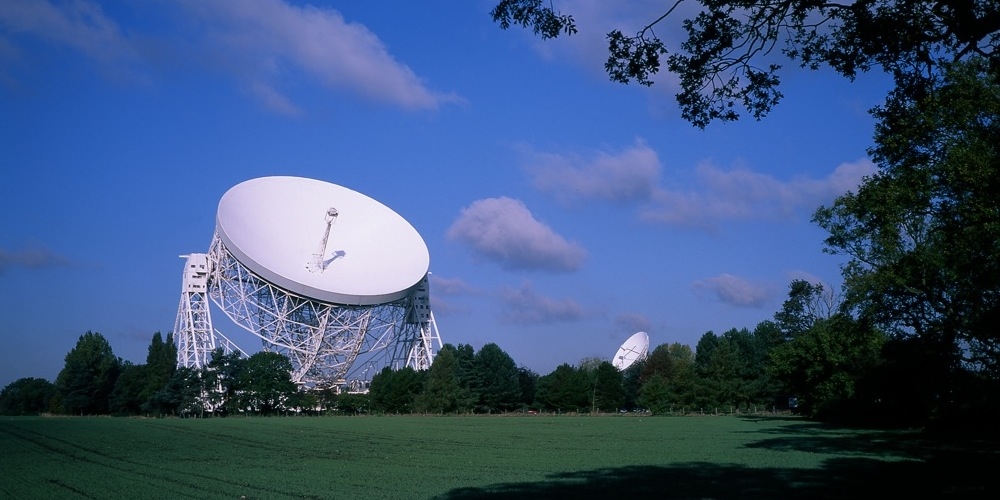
(193, 327)
(196, 339)
(328, 344)
(417, 349)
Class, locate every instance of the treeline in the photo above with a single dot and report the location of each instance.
(94, 381)
(812, 359)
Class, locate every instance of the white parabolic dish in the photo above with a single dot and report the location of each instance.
(275, 225)
(634, 349)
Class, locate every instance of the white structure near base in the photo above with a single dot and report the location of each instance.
(339, 316)
(193, 330)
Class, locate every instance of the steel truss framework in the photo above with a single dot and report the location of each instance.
(193, 327)
(330, 345)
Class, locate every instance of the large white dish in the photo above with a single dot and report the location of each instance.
(634, 349)
(274, 225)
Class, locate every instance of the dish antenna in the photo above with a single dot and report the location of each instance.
(634, 349)
(340, 310)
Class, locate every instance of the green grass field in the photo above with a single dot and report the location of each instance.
(476, 457)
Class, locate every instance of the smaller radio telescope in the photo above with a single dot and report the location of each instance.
(325, 275)
(634, 349)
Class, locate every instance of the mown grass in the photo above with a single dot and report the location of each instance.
(478, 456)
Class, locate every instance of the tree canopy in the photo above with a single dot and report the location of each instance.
(923, 234)
(27, 396)
(727, 61)
(86, 381)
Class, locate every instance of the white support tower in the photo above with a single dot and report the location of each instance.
(195, 336)
(193, 327)
(419, 347)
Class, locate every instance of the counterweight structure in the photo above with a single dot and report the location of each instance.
(339, 315)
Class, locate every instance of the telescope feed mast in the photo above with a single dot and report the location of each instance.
(317, 265)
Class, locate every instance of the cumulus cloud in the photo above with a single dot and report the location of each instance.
(716, 195)
(628, 176)
(31, 258)
(266, 35)
(523, 306)
(741, 193)
(504, 230)
(256, 41)
(734, 290)
(81, 26)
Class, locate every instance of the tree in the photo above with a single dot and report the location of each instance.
(923, 234)
(609, 392)
(182, 395)
(683, 382)
(567, 388)
(221, 382)
(658, 362)
(130, 392)
(703, 351)
(764, 388)
(807, 302)
(89, 375)
(442, 390)
(353, 404)
(465, 357)
(497, 377)
(396, 391)
(826, 366)
(265, 382)
(726, 62)
(654, 395)
(27, 396)
(527, 380)
(136, 384)
(631, 383)
(667, 376)
(719, 372)
(161, 362)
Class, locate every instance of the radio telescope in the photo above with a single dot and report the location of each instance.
(325, 275)
(634, 349)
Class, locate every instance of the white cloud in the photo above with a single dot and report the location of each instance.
(274, 100)
(744, 194)
(504, 230)
(629, 176)
(258, 42)
(523, 306)
(716, 195)
(264, 36)
(80, 25)
(734, 290)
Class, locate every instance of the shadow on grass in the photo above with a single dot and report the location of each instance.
(839, 478)
(919, 467)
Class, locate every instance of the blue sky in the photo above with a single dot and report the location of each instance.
(563, 212)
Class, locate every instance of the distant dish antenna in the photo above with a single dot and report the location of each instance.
(636, 348)
(340, 310)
